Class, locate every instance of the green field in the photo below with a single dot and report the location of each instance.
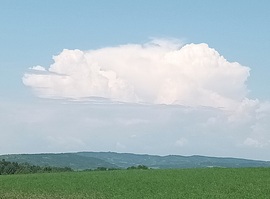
(178, 183)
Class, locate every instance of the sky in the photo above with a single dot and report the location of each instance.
(149, 77)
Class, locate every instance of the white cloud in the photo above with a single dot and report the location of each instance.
(250, 142)
(245, 111)
(120, 146)
(38, 68)
(130, 122)
(66, 143)
(181, 142)
(158, 72)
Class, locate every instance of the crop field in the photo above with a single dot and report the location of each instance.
(174, 183)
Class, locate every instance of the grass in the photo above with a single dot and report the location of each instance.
(127, 184)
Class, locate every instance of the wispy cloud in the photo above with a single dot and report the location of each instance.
(47, 126)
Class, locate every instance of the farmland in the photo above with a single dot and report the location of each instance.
(170, 183)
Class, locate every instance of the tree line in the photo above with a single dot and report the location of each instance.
(7, 168)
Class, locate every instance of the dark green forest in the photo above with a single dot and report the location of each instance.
(7, 168)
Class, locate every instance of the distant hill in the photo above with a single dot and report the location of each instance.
(93, 160)
(72, 160)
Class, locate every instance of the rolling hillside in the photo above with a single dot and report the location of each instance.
(92, 160)
(72, 160)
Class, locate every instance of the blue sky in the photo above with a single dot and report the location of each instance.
(31, 32)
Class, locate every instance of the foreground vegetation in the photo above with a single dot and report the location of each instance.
(179, 183)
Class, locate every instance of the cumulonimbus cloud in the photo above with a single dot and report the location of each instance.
(156, 72)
